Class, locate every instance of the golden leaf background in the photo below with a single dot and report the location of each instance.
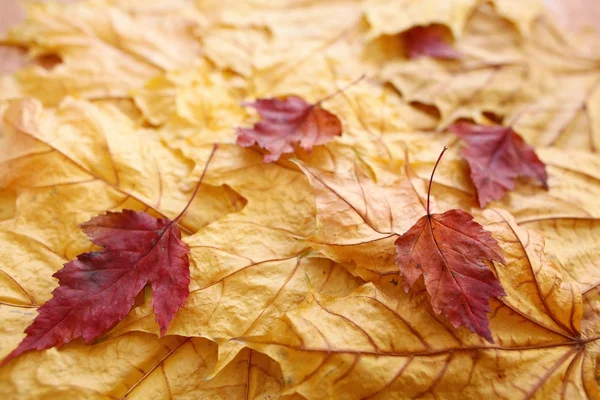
(113, 104)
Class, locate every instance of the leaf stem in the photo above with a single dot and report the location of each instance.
(431, 179)
(210, 157)
(341, 90)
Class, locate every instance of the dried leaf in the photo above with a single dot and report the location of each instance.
(132, 46)
(287, 123)
(102, 286)
(371, 345)
(447, 249)
(497, 155)
(138, 365)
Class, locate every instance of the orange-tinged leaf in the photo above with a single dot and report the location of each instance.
(140, 366)
(389, 345)
(139, 92)
(130, 46)
(572, 245)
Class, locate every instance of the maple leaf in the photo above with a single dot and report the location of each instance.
(286, 123)
(98, 289)
(497, 155)
(447, 249)
(380, 341)
(81, 34)
(429, 41)
(135, 364)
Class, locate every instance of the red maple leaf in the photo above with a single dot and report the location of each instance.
(432, 41)
(287, 123)
(98, 289)
(448, 249)
(497, 156)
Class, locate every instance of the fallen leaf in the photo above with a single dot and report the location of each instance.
(141, 90)
(384, 18)
(369, 344)
(132, 46)
(138, 365)
(287, 123)
(497, 155)
(498, 73)
(429, 41)
(102, 286)
(99, 147)
(571, 243)
(358, 219)
(447, 250)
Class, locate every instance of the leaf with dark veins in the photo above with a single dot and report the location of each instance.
(497, 156)
(384, 343)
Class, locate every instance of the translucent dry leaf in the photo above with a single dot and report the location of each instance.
(140, 366)
(105, 51)
(383, 343)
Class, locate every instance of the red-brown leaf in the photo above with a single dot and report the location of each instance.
(431, 41)
(497, 156)
(98, 289)
(448, 249)
(287, 123)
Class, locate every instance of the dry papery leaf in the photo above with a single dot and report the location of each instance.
(332, 347)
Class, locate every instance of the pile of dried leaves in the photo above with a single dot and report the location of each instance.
(311, 262)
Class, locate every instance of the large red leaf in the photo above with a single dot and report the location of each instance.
(98, 289)
(287, 123)
(497, 156)
(448, 250)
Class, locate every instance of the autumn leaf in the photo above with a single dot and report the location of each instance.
(138, 365)
(496, 74)
(380, 342)
(134, 45)
(102, 286)
(497, 155)
(256, 251)
(287, 123)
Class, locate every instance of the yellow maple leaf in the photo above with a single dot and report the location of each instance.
(384, 343)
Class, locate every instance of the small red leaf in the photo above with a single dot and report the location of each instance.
(448, 249)
(287, 123)
(98, 289)
(432, 41)
(497, 156)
